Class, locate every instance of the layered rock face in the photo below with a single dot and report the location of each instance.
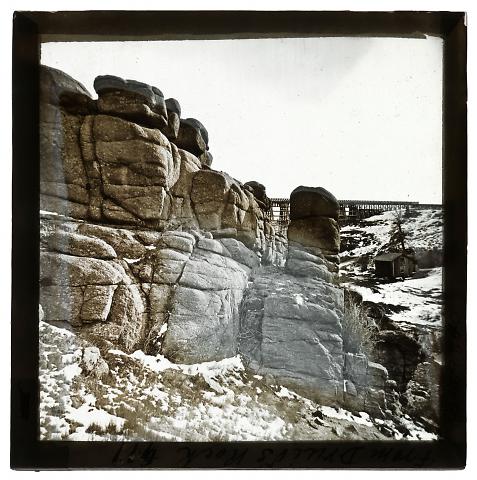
(129, 159)
(171, 292)
(157, 248)
(291, 318)
(145, 246)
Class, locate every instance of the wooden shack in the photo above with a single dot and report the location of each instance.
(394, 265)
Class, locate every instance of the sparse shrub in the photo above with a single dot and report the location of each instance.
(130, 414)
(249, 340)
(56, 410)
(72, 426)
(110, 429)
(94, 428)
(218, 436)
(359, 330)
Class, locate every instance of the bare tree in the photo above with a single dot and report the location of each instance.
(397, 234)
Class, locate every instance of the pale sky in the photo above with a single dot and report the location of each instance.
(361, 117)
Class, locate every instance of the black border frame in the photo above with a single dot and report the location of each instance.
(29, 29)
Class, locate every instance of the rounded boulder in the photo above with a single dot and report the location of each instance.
(313, 202)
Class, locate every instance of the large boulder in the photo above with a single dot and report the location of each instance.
(97, 300)
(123, 241)
(192, 136)
(57, 87)
(313, 202)
(138, 166)
(70, 270)
(225, 207)
(366, 383)
(240, 253)
(206, 159)
(174, 106)
(128, 311)
(313, 225)
(132, 100)
(79, 245)
(203, 325)
(208, 270)
(209, 195)
(193, 122)
(62, 303)
(203, 320)
(303, 263)
(260, 194)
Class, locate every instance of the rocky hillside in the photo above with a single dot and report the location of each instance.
(407, 312)
(90, 393)
(365, 239)
(417, 299)
(167, 296)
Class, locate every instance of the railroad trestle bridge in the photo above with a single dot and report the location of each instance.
(350, 210)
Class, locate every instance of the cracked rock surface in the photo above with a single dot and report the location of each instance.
(145, 246)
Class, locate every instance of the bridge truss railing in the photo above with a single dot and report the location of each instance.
(279, 213)
(350, 210)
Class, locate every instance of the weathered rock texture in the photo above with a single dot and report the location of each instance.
(122, 160)
(145, 246)
(422, 392)
(134, 181)
(291, 318)
(171, 292)
(291, 329)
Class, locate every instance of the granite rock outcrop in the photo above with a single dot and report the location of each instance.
(291, 317)
(145, 246)
(155, 248)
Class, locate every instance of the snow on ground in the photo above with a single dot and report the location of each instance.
(89, 418)
(423, 230)
(362, 419)
(371, 234)
(58, 367)
(421, 296)
(151, 399)
(217, 410)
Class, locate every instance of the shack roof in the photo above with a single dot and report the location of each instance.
(388, 257)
